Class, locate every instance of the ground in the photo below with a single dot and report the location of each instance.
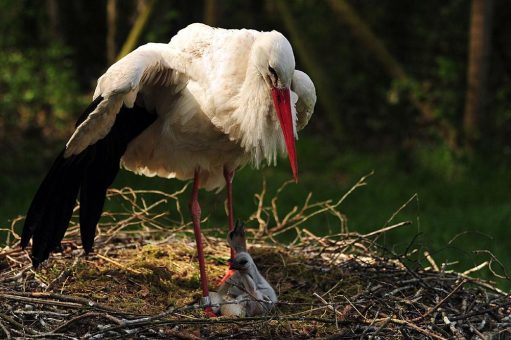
(142, 282)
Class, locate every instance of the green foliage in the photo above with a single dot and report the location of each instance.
(439, 161)
(37, 88)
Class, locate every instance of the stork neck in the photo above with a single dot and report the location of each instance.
(254, 123)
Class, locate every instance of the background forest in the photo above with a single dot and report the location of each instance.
(417, 91)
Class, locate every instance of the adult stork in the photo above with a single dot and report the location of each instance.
(205, 104)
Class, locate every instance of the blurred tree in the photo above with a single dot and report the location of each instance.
(211, 12)
(374, 88)
(53, 18)
(326, 97)
(111, 27)
(38, 86)
(144, 9)
(371, 43)
(478, 65)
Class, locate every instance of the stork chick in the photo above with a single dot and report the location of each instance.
(246, 292)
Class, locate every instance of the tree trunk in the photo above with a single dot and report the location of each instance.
(369, 41)
(144, 12)
(111, 30)
(211, 12)
(478, 64)
(318, 76)
(53, 19)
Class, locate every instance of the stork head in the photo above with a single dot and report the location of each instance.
(274, 60)
(242, 262)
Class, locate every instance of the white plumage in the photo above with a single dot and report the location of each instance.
(209, 88)
(205, 104)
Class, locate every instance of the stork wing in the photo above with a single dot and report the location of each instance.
(148, 65)
(303, 86)
(90, 161)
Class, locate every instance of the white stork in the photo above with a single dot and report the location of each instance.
(205, 104)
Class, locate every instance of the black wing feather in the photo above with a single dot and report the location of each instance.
(105, 166)
(49, 187)
(89, 173)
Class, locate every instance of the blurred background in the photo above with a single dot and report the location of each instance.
(417, 91)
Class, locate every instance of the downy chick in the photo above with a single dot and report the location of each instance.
(246, 292)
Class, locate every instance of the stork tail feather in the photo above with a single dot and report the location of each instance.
(89, 173)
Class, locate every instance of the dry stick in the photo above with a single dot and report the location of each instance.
(415, 327)
(401, 208)
(475, 330)
(64, 275)
(263, 227)
(329, 306)
(318, 239)
(441, 302)
(382, 326)
(38, 312)
(280, 225)
(135, 215)
(484, 311)
(83, 316)
(352, 305)
(17, 324)
(5, 330)
(13, 231)
(359, 238)
(385, 229)
(11, 251)
(118, 264)
(180, 335)
(484, 284)
(476, 268)
(431, 261)
(62, 300)
(17, 275)
(213, 321)
(360, 183)
(41, 301)
(174, 195)
(343, 220)
(492, 259)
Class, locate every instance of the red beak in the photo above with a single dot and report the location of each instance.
(282, 104)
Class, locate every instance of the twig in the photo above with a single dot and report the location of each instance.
(5, 330)
(441, 302)
(329, 306)
(431, 261)
(386, 229)
(16, 324)
(41, 301)
(118, 264)
(476, 268)
(84, 316)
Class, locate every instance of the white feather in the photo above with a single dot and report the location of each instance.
(304, 88)
(212, 99)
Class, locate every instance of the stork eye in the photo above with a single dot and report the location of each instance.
(243, 262)
(273, 72)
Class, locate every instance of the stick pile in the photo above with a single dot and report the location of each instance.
(338, 285)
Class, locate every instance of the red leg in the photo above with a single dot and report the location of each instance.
(196, 214)
(228, 175)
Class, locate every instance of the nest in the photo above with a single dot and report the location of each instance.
(143, 283)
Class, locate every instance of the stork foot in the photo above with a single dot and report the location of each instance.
(209, 312)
